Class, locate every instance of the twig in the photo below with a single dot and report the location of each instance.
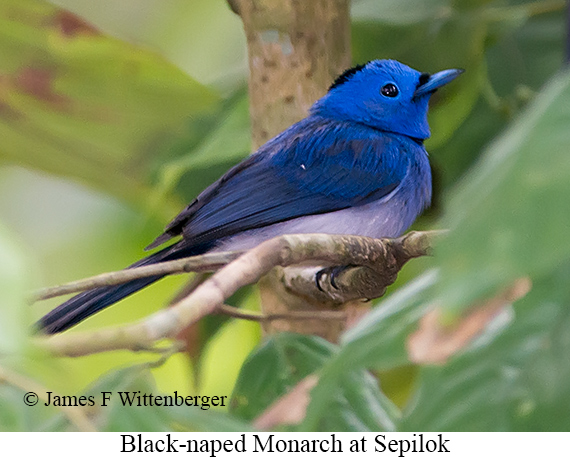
(166, 353)
(246, 269)
(199, 263)
(75, 414)
(293, 315)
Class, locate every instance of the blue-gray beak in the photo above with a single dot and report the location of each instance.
(435, 81)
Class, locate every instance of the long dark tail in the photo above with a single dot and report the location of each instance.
(83, 305)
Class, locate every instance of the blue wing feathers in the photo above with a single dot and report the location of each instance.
(315, 166)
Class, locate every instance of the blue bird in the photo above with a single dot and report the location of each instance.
(356, 165)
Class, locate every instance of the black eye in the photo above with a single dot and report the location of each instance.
(389, 90)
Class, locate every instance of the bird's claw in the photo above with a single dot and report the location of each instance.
(332, 272)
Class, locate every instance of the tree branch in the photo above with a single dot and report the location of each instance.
(377, 255)
(298, 315)
(355, 282)
(199, 263)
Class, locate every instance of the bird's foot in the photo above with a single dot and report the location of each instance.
(332, 273)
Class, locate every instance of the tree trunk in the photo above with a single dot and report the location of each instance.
(296, 48)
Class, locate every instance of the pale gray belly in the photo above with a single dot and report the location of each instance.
(388, 217)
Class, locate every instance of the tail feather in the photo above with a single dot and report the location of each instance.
(83, 305)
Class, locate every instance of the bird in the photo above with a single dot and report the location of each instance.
(356, 165)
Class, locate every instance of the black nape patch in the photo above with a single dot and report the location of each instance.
(424, 78)
(344, 77)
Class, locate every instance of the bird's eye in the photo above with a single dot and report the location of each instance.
(389, 90)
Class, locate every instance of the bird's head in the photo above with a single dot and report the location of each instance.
(384, 94)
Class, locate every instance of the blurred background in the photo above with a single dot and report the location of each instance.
(114, 115)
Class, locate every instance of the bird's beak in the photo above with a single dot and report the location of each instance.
(435, 81)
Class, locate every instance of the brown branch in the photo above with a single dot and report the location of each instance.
(293, 315)
(199, 263)
(356, 282)
(246, 269)
(295, 288)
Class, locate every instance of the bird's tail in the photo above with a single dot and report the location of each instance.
(83, 305)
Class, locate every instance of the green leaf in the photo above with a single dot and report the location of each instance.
(275, 367)
(453, 158)
(517, 381)
(202, 37)
(116, 416)
(529, 50)
(509, 219)
(377, 341)
(355, 403)
(223, 141)
(16, 416)
(194, 419)
(510, 216)
(81, 104)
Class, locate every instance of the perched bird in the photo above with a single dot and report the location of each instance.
(355, 165)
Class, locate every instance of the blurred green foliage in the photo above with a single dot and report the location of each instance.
(104, 138)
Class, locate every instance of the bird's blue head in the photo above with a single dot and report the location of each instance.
(384, 94)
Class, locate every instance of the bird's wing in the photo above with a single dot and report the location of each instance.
(306, 170)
